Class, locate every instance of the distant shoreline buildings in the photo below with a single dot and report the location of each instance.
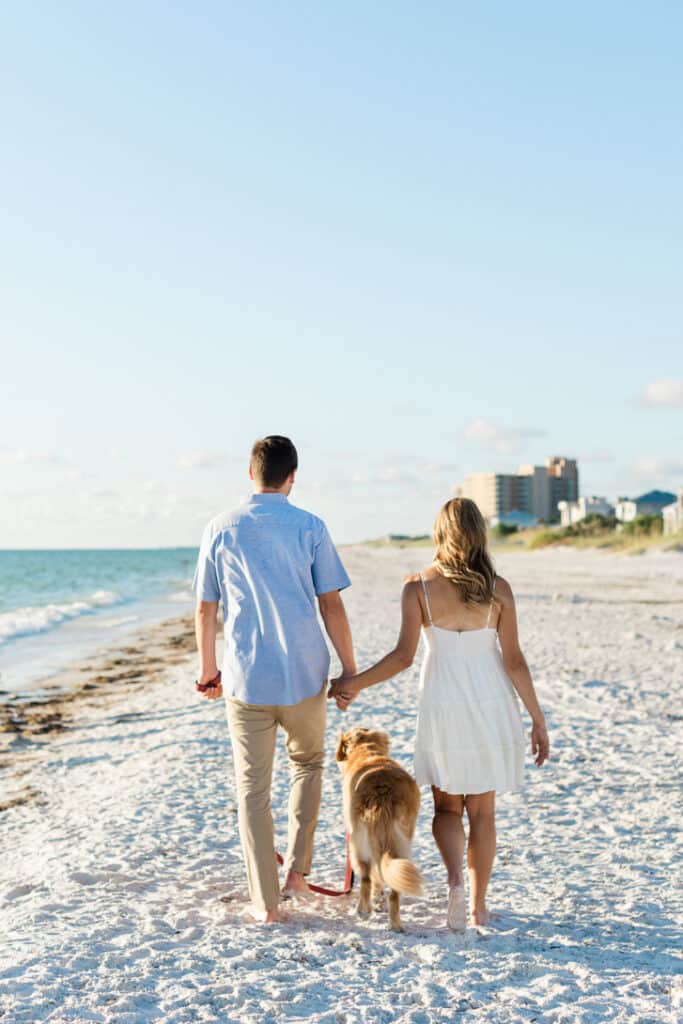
(530, 496)
(550, 494)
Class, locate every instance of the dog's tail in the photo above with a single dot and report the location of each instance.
(398, 872)
(401, 874)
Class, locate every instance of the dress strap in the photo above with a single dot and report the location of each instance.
(488, 617)
(424, 588)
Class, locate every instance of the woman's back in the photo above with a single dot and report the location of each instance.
(469, 730)
(445, 609)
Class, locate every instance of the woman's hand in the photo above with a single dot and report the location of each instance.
(343, 690)
(539, 742)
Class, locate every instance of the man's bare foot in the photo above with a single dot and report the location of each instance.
(482, 917)
(254, 915)
(295, 883)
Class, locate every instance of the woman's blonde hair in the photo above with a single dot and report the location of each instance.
(461, 550)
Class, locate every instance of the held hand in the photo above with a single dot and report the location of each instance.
(343, 690)
(539, 743)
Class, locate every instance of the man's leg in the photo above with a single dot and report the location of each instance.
(304, 724)
(252, 731)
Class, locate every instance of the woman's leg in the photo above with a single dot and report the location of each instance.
(481, 849)
(449, 833)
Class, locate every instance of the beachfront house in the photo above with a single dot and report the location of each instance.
(673, 515)
(574, 511)
(650, 504)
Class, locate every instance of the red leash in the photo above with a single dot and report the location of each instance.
(320, 889)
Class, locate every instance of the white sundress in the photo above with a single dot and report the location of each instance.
(470, 737)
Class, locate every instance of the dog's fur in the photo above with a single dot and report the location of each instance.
(381, 802)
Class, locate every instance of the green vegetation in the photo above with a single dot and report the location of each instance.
(644, 526)
(644, 533)
(501, 530)
(597, 528)
(401, 540)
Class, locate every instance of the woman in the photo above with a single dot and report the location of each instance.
(470, 742)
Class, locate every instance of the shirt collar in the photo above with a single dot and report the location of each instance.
(268, 497)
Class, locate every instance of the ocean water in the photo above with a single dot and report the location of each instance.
(58, 606)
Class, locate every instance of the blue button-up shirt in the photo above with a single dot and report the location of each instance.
(266, 562)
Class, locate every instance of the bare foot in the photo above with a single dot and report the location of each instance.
(295, 883)
(456, 917)
(254, 915)
(482, 917)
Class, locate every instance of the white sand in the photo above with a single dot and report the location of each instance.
(120, 890)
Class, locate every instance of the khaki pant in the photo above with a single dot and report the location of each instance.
(253, 729)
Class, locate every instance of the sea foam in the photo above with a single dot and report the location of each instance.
(40, 618)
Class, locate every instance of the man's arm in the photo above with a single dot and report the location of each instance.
(337, 626)
(205, 629)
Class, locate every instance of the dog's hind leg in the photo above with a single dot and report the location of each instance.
(377, 892)
(361, 858)
(365, 888)
(394, 911)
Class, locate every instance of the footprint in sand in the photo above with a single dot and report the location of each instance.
(84, 878)
(18, 891)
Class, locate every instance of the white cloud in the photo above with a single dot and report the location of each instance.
(504, 440)
(596, 456)
(664, 392)
(23, 456)
(201, 460)
(383, 475)
(659, 467)
(415, 472)
(480, 430)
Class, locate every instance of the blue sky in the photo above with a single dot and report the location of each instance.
(422, 240)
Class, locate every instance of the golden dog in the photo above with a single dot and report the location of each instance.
(381, 802)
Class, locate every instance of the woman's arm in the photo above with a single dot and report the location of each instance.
(518, 670)
(395, 661)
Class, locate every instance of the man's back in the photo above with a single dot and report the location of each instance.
(266, 562)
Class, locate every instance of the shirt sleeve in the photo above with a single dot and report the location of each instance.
(205, 582)
(327, 569)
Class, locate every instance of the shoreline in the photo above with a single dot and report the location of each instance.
(30, 719)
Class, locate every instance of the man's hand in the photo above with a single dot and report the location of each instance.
(210, 685)
(333, 615)
(343, 690)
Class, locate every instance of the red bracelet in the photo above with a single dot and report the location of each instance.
(211, 685)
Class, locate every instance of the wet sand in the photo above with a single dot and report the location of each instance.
(30, 721)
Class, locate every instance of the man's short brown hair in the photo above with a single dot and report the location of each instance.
(273, 459)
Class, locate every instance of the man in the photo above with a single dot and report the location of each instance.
(266, 563)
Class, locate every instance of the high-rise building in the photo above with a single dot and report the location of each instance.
(533, 490)
(564, 477)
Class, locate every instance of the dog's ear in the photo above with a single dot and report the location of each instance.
(341, 747)
(386, 742)
(380, 740)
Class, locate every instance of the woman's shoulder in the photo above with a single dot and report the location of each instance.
(415, 579)
(503, 590)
